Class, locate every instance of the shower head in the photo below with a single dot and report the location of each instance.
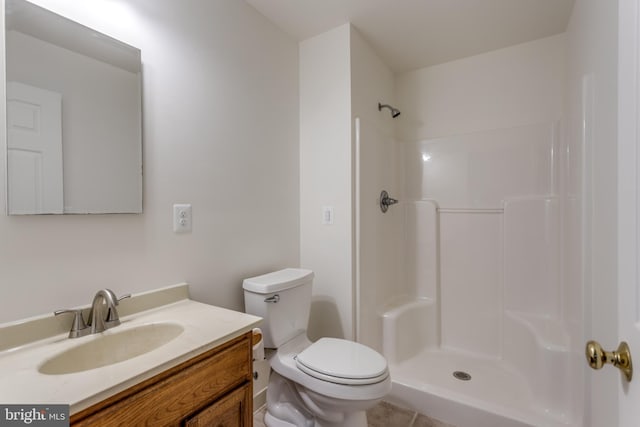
(394, 111)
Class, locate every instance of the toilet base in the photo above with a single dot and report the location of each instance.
(271, 421)
(286, 407)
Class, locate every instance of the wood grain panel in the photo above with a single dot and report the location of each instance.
(170, 397)
(230, 411)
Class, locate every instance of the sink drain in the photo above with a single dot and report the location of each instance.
(462, 376)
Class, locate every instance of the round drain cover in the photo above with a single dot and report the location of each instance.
(462, 376)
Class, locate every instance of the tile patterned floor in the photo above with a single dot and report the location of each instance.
(382, 415)
(258, 418)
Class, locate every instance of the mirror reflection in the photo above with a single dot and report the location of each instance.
(73, 117)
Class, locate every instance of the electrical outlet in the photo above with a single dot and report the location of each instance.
(181, 218)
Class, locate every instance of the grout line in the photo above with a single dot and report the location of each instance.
(413, 420)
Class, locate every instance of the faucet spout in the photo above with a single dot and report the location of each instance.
(103, 314)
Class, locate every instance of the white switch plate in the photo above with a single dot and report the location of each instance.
(181, 218)
(327, 215)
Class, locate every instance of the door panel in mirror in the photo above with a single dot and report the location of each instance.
(34, 150)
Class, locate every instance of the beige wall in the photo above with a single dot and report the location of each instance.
(220, 101)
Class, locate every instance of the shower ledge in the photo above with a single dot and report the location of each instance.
(401, 303)
(550, 333)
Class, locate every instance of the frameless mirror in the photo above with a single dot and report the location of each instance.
(74, 125)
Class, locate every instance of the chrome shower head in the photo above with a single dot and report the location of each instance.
(394, 111)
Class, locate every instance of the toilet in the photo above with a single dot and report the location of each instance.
(327, 383)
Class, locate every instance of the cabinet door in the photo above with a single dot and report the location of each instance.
(233, 410)
(170, 397)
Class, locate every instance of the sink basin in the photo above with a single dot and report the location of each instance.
(110, 348)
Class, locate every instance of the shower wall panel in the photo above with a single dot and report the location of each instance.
(481, 169)
(532, 256)
(495, 231)
(471, 282)
(420, 256)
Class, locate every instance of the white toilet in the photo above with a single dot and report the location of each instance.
(331, 382)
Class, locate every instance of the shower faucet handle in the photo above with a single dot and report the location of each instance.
(386, 201)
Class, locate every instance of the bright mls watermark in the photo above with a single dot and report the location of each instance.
(34, 415)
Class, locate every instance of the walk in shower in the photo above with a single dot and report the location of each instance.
(460, 284)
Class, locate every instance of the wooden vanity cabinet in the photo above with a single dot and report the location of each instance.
(212, 389)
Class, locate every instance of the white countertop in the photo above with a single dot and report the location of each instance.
(205, 327)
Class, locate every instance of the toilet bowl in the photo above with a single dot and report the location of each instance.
(327, 383)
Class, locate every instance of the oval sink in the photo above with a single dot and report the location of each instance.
(111, 348)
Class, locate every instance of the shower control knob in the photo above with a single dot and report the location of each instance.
(386, 201)
(621, 358)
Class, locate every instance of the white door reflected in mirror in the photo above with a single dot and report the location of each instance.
(34, 150)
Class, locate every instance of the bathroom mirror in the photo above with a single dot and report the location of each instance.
(74, 117)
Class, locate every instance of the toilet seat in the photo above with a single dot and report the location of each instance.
(284, 363)
(342, 362)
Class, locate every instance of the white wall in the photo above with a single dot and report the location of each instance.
(326, 180)
(220, 125)
(378, 254)
(510, 87)
(591, 188)
(341, 79)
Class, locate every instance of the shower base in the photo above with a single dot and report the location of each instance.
(494, 396)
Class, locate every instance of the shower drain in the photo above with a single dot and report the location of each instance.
(462, 376)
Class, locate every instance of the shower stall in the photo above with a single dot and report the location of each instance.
(472, 283)
(460, 284)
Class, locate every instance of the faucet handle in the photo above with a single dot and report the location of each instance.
(113, 319)
(78, 328)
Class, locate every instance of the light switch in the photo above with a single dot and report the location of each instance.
(182, 218)
(327, 215)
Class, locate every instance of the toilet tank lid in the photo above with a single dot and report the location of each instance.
(277, 281)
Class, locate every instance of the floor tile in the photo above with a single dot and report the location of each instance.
(424, 421)
(258, 418)
(385, 414)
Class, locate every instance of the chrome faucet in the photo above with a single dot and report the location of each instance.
(103, 302)
(103, 314)
(78, 327)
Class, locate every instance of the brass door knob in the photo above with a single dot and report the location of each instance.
(621, 358)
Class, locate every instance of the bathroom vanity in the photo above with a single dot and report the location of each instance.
(213, 386)
(171, 362)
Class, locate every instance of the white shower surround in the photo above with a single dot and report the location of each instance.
(473, 258)
(477, 264)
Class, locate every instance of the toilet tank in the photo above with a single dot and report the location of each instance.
(283, 300)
